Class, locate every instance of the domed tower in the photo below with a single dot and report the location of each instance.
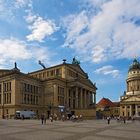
(133, 79)
(130, 101)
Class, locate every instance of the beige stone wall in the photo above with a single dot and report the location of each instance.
(48, 91)
(86, 113)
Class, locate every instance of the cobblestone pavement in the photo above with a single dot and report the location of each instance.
(58, 130)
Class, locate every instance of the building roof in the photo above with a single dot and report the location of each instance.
(135, 65)
(105, 102)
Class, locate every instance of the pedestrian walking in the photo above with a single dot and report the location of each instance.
(42, 119)
(22, 117)
(51, 117)
(108, 120)
(124, 120)
(45, 118)
(55, 117)
(81, 117)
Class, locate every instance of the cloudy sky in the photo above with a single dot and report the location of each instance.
(102, 34)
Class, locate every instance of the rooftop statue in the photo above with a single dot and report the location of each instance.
(75, 61)
(15, 67)
(41, 64)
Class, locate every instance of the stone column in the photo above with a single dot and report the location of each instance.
(85, 98)
(67, 97)
(125, 111)
(55, 95)
(94, 98)
(72, 99)
(130, 110)
(76, 100)
(136, 110)
(88, 99)
(81, 98)
(91, 98)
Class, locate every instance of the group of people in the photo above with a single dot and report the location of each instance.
(117, 118)
(63, 117)
(76, 117)
(51, 118)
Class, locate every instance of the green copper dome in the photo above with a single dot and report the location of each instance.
(135, 65)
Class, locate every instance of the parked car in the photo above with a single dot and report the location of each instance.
(25, 115)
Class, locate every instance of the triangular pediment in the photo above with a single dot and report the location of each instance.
(78, 69)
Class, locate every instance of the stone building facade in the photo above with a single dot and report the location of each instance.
(105, 107)
(64, 88)
(130, 101)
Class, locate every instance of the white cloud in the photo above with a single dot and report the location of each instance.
(76, 24)
(108, 70)
(13, 49)
(40, 28)
(9, 8)
(30, 18)
(22, 3)
(108, 33)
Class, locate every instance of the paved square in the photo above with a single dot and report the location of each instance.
(58, 130)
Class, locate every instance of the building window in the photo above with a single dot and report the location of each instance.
(7, 98)
(47, 73)
(7, 111)
(0, 87)
(25, 98)
(7, 86)
(52, 72)
(0, 98)
(74, 103)
(61, 95)
(31, 99)
(128, 114)
(44, 74)
(69, 102)
(37, 100)
(57, 72)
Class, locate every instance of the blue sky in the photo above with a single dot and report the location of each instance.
(102, 34)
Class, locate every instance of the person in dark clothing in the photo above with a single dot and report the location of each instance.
(108, 120)
(45, 119)
(124, 120)
(42, 119)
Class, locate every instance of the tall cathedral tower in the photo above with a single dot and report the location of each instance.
(130, 101)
